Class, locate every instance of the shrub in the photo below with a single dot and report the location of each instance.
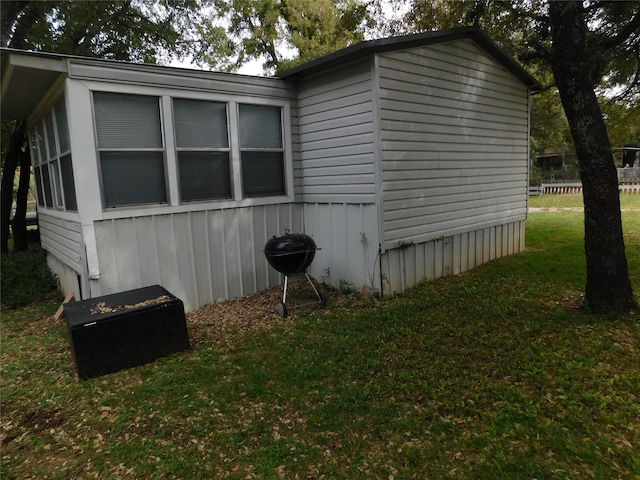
(26, 278)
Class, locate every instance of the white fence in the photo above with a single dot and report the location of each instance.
(629, 175)
(576, 188)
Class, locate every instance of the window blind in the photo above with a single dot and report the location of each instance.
(260, 126)
(204, 176)
(133, 178)
(262, 173)
(200, 124)
(127, 121)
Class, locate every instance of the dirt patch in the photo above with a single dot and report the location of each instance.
(30, 421)
(259, 310)
(40, 420)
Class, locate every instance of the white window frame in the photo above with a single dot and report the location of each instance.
(162, 150)
(234, 135)
(174, 205)
(280, 149)
(180, 149)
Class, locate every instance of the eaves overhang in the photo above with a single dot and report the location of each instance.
(26, 78)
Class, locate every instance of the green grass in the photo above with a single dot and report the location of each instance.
(627, 201)
(493, 374)
(25, 278)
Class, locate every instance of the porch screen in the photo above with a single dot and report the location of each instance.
(36, 141)
(51, 156)
(131, 149)
(63, 126)
(202, 141)
(261, 150)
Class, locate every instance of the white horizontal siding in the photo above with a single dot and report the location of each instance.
(447, 183)
(440, 119)
(404, 268)
(462, 59)
(62, 239)
(337, 136)
(295, 144)
(198, 256)
(446, 98)
(67, 259)
(454, 143)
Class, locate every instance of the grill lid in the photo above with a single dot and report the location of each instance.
(291, 253)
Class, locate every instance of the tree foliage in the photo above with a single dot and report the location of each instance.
(132, 30)
(285, 33)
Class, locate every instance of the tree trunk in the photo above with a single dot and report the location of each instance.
(608, 286)
(20, 239)
(8, 175)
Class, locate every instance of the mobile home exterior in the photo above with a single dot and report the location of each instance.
(405, 159)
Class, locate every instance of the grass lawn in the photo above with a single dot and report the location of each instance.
(493, 374)
(627, 201)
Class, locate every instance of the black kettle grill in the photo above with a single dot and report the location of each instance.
(291, 254)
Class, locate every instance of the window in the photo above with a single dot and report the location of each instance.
(130, 148)
(220, 150)
(51, 155)
(261, 150)
(202, 142)
(64, 143)
(68, 183)
(52, 148)
(34, 141)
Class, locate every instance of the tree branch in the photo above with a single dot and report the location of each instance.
(34, 12)
(633, 84)
(9, 14)
(537, 51)
(629, 29)
(95, 29)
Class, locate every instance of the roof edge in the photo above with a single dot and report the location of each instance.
(387, 44)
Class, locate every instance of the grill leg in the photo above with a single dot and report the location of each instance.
(284, 295)
(313, 286)
(282, 306)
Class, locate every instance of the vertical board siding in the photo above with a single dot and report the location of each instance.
(198, 256)
(347, 238)
(337, 136)
(404, 268)
(454, 144)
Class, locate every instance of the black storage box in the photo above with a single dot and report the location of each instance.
(126, 329)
